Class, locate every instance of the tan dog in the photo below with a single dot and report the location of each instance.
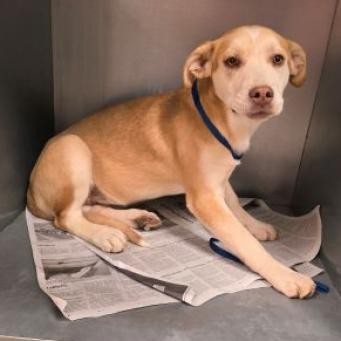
(159, 145)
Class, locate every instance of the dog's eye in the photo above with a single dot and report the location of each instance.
(232, 62)
(277, 59)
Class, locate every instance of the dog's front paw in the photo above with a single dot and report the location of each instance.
(293, 284)
(109, 239)
(263, 231)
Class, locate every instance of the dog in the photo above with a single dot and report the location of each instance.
(185, 141)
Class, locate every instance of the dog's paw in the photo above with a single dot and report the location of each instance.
(109, 239)
(293, 284)
(263, 231)
(146, 220)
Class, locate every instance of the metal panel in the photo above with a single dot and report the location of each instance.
(110, 50)
(319, 180)
(26, 112)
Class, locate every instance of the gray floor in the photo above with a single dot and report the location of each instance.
(260, 314)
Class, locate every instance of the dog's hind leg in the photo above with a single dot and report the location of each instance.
(121, 219)
(131, 217)
(59, 186)
(97, 208)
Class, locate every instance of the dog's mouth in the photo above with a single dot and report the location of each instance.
(259, 115)
(256, 115)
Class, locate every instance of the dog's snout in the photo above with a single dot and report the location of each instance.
(261, 95)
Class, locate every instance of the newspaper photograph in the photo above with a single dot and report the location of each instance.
(79, 282)
(178, 265)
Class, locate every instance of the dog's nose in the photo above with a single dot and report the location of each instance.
(261, 95)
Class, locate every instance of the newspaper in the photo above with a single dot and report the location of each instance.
(179, 265)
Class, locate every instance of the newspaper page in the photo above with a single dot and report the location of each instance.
(79, 282)
(83, 281)
(179, 253)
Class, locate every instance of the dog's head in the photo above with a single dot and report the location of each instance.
(250, 67)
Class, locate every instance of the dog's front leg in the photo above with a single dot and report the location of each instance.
(209, 206)
(261, 230)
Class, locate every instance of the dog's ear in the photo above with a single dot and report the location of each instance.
(198, 63)
(297, 63)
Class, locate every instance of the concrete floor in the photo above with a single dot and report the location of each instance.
(260, 314)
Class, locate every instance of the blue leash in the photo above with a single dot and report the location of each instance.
(320, 287)
(209, 124)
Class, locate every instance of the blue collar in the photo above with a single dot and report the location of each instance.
(209, 124)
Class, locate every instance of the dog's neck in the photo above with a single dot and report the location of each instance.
(237, 128)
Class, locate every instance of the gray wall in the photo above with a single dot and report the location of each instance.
(110, 50)
(319, 180)
(26, 106)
